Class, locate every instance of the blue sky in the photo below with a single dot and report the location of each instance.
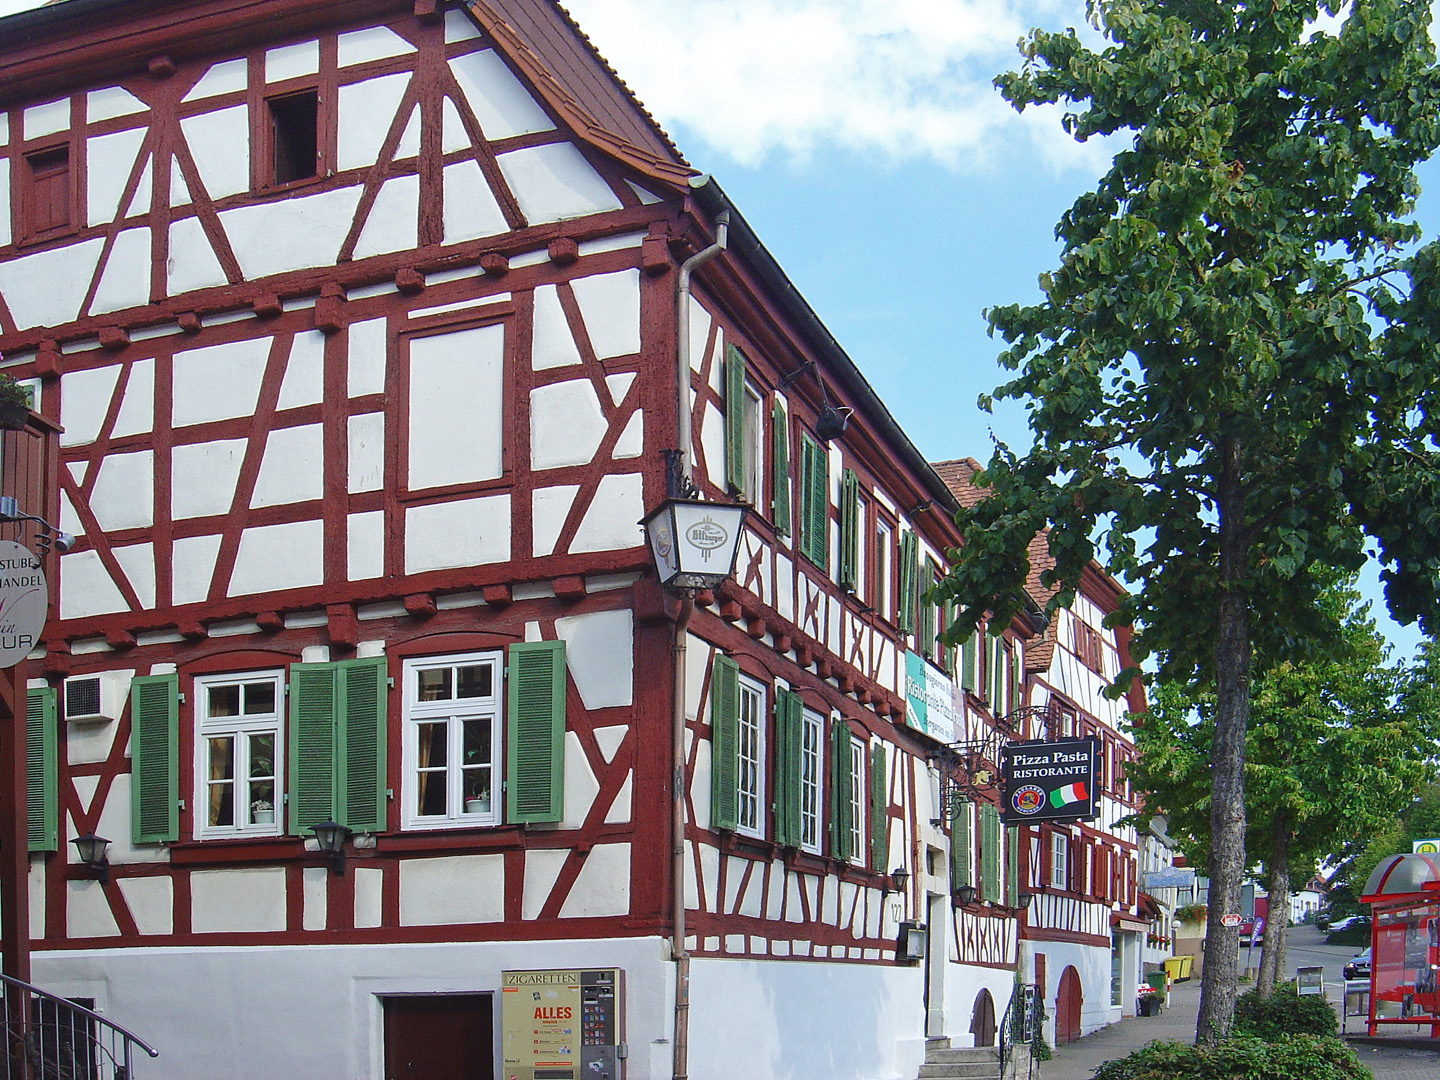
(864, 142)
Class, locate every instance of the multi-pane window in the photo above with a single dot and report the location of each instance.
(750, 759)
(857, 800)
(862, 511)
(812, 739)
(239, 754)
(452, 740)
(1059, 860)
(884, 544)
(752, 483)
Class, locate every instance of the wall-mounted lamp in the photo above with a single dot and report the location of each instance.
(895, 882)
(965, 895)
(92, 851)
(1024, 901)
(911, 944)
(331, 837)
(831, 422)
(694, 542)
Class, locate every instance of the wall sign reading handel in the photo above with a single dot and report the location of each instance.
(24, 602)
(1049, 781)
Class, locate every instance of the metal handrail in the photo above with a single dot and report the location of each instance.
(1020, 1016)
(36, 1058)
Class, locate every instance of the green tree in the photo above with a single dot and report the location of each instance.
(1334, 745)
(1231, 374)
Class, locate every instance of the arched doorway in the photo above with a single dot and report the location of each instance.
(982, 1019)
(1067, 1008)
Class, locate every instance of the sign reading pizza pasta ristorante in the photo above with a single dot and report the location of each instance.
(1049, 781)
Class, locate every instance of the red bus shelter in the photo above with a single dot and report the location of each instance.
(1404, 897)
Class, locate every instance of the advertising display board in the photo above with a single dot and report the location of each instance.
(1049, 781)
(24, 602)
(930, 706)
(562, 1025)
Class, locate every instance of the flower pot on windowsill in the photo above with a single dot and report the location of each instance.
(262, 817)
(14, 416)
(477, 806)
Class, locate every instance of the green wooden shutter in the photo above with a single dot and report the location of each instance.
(849, 527)
(927, 612)
(41, 780)
(724, 742)
(879, 810)
(967, 662)
(1012, 865)
(960, 854)
(155, 758)
(314, 709)
(841, 811)
(1017, 678)
(789, 725)
(780, 466)
(909, 572)
(361, 744)
(989, 853)
(814, 501)
(735, 418)
(535, 741)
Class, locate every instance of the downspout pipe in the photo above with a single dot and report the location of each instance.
(682, 338)
(680, 484)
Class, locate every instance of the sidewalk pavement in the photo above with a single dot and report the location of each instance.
(1079, 1060)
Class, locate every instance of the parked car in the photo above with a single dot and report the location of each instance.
(1358, 966)
(1350, 922)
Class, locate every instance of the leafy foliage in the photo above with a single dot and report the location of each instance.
(1234, 370)
(1312, 1057)
(1284, 1012)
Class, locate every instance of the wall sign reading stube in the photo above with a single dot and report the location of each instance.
(24, 602)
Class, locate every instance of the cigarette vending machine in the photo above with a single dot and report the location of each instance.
(563, 1024)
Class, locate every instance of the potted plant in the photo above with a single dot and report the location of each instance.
(15, 400)
(262, 812)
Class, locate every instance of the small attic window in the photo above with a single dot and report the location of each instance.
(294, 121)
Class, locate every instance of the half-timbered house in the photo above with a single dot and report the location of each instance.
(360, 324)
(1084, 932)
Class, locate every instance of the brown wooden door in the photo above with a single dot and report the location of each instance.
(982, 1019)
(1067, 1008)
(439, 1037)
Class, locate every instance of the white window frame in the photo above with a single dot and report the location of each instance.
(884, 562)
(240, 728)
(752, 424)
(455, 712)
(750, 759)
(862, 559)
(858, 802)
(1059, 860)
(812, 780)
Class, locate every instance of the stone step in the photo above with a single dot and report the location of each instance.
(973, 1070)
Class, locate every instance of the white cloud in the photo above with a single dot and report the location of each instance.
(905, 79)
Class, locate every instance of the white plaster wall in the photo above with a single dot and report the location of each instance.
(124, 492)
(610, 523)
(581, 786)
(319, 1007)
(111, 102)
(600, 656)
(567, 424)
(86, 587)
(552, 344)
(87, 912)
(363, 120)
(237, 901)
(222, 78)
(219, 382)
(470, 207)
(46, 288)
(292, 61)
(803, 1020)
(193, 568)
(371, 43)
(292, 234)
(193, 263)
(603, 885)
(292, 469)
(555, 183)
(500, 102)
(279, 557)
(611, 306)
(220, 144)
(452, 889)
(1093, 965)
(110, 159)
(366, 552)
(303, 383)
(368, 343)
(456, 407)
(393, 222)
(466, 532)
(151, 901)
(46, 119)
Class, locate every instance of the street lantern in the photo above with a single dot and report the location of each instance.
(692, 542)
(93, 852)
(331, 838)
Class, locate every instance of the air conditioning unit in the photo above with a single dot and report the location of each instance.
(96, 698)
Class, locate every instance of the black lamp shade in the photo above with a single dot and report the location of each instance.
(331, 836)
(91, 849)
(965, 894)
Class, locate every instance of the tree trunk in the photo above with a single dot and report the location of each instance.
(1227, 756)
(1277, 912)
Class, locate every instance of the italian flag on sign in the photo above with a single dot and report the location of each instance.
(1069, 793)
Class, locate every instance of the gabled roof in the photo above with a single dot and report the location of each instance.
(562, 63)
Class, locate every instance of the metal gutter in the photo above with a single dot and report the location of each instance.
(743, 241)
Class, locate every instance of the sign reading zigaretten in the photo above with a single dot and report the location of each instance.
(1049, 781)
